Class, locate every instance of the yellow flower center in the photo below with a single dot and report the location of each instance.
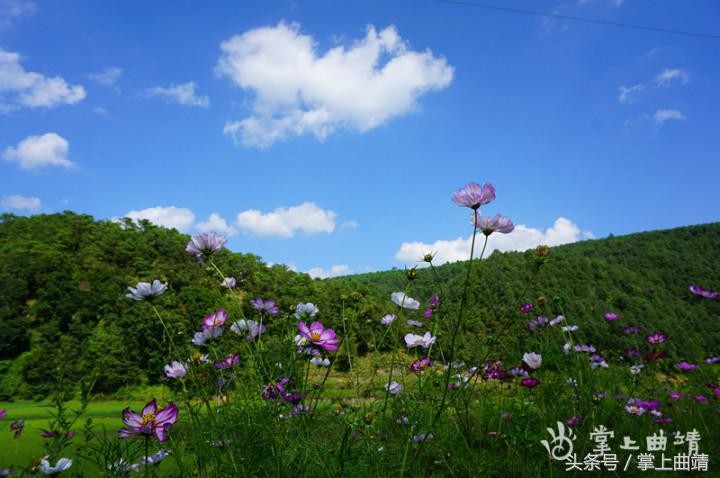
(314, 335)
(149, 418)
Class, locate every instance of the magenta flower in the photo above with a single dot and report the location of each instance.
(204, 244)
(274, 390)
(488, 225)
(435, 302)
(573, 421)
(3, 412)
(712, 360)
(150, 421)
(700, 398)
(420, 365)
(685, 366)
(17, 427)
(215, 320)
(473, 195)
(494, 370)
(656, 338)
(318, 335)
(611, 316)
(708, 294)
(265, 305)
(676, 395)
(229, 361)
(530, 382)
(585, 348)
(525, 308)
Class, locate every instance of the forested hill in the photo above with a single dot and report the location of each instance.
(63, 310)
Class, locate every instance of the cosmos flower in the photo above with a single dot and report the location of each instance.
(229, 283)
(473, 195)
(700, 398)
(611, 316)
(318, 335)
(569, 328)
(685, 366)
(519, 372)
(571, 422)
(402, 300)
(556, 320)
(424, 341)
(632, 409)
(61, 465)
(228, 362)
(435, 302)
(636, 369)
(708, 294)
(215, 320)
(307, 310)
(320, 362)
(494, 371)
(712, 360)
(414, 323)
(205, 244)
(632, 329)
(201, 338)
(525, 308)
(675, 395)
(267, 306)
(394, 388)
(146, 291)
(150, 421)
(540, 321)
(532, 360)
(175, 369)
(530, 382)
(423, 437)
(3, 412)
(16, 427)
(656, 338)
(388, 319)
(254, 329)
(421, 364)
(585, 348)
(487, 225)
(274, 390)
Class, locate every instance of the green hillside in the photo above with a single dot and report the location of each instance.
(63, 310)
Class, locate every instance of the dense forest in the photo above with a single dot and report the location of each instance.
(64, 311)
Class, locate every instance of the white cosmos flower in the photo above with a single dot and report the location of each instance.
(533, 360)
(424, 341)
(61, 465)
(402, 300)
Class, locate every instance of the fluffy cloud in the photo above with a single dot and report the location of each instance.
(108, 76)
(182, 94)
(20, 88)
(627, 94)
(334, 271)
(285, 222)
(563, 231)
(216, 223)
(298, 91)
(21, 203)
(667, 76)
(179, 218)
(664, 115)
(34, 152)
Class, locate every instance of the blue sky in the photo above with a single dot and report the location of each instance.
(331, 135)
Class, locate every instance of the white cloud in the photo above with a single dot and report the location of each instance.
(179, 218)
(11, 10)
(34, 152)
(352, 224)
(667, 76)
(664, 115)
(21, 203)
(334, 271)
(299, 91)
(216, 223)
(285, 222)
(21, 88)
(563, 231)
(627, 94)
(108, 76)
(182, 94)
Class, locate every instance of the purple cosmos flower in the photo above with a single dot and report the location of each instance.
(275, 390)
(17, 427)
(525, 308)
(473, 195)
(394, 388)
(532, 360)
(215, 320)
(424, 341)
(435, 302)
(388, 319)
(318, 335)
(572, 422)
(494, 371)
(556, 320)
(632, 329)
(402, 300)
(200, 338)
(708, 294)
(308, 310)
(61, 465)
(632, 352)
(585, 348)
(675, 395)
(712, 360)
(656, 338)
(530, 382)
(204, 244)
(150, 421)
(229, 283)
(633, 410)
(229, 361)
(487, 225)
(175, 369)
(8, 471)
(519, 372)
(700, 398)
(265, 305)
(611, 316)
(685, 366)
(3, 412)
(648, 404)
(420, 365)
(541, 321)
(146, 291)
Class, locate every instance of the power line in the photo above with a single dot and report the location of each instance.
(579, 19)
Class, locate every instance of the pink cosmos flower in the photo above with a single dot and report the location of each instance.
(229, 361)
(708, 294)
(318, 335)
(150, 421)
(268, 306)
(656, 338)
(611, 316)
(525, 308)
(473, 195)
(3, 412)
(215, 320)
(676, 395)
(573, 421)
(420, 365)
(685, 366)
(205, 244)
(488, 225)
(530, 382)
